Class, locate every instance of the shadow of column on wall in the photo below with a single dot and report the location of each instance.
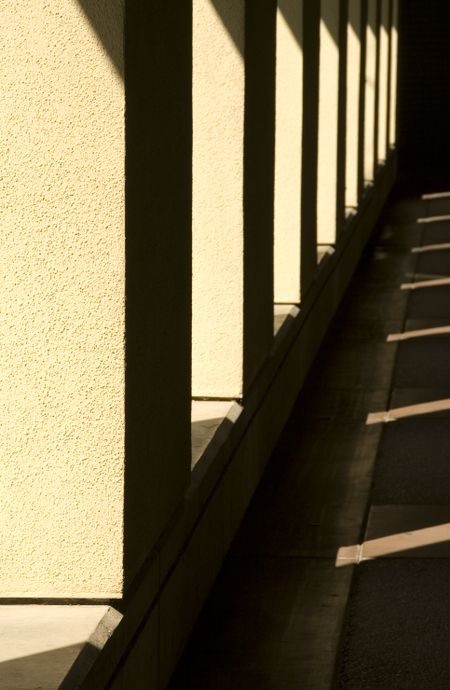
(107, 20)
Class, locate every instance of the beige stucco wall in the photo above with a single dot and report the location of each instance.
(288, 151)
(383, 82)
(62, 283)
(217, 207)
(369, 95)
(328, 122)
(394, 70)
(353, 93)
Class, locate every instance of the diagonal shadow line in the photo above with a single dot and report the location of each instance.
(43, 669)
(355, 16)
(290, 12)
(230, 14)
(330, 18)
(107, 18)
(231, 20)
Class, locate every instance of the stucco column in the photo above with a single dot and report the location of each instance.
(233, 152)
(393, 67)
(327, 198)
(342, 130)
(89, 421)
(311, 49)
(383, 80)
(288, 151)
(353, 103)
(362, 101)
(370, 91)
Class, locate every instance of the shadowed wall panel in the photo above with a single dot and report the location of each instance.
(259, 162)
(311, 50)
(158, 265)
(424, 93)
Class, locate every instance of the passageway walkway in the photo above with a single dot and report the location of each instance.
(339, 575)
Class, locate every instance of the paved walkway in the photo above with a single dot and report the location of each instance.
(340, 574)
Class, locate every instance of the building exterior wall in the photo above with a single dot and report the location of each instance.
(63, 294)
(140, 189)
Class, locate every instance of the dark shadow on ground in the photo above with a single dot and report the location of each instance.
(44, 670)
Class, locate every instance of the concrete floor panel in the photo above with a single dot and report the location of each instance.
(434, 262)
(346, 365)
(398, 627)
(407, 531)
(430, 303)
(423, 362)
(413, 464)
(343, 403)
(436, 232)
(368, 436)
(269, 624)
(401, 236)
(426, 403)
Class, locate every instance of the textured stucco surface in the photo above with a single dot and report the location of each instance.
(353, 93)
(383, 91)
(288, 151)
(218, 220)
(394, 73)
(371, 75)
(62, 282)
(328, 123)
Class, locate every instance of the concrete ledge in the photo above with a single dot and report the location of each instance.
(160, 611)
(41, 645)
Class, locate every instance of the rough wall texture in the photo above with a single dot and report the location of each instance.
(288, 151)
(62, 283)
(353, 101)
(218, 213)
(328, 123)
(383, 82)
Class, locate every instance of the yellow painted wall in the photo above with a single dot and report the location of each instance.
(328, 122)
(288, 151)
(62, 283)
(218, 210)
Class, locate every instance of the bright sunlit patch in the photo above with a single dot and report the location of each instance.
(433, 219)
(408, 411)
(430, 248)
(425, 284)
(435, 195)
(393, 544)
(422, 333)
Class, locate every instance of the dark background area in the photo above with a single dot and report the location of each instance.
(424, 92)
